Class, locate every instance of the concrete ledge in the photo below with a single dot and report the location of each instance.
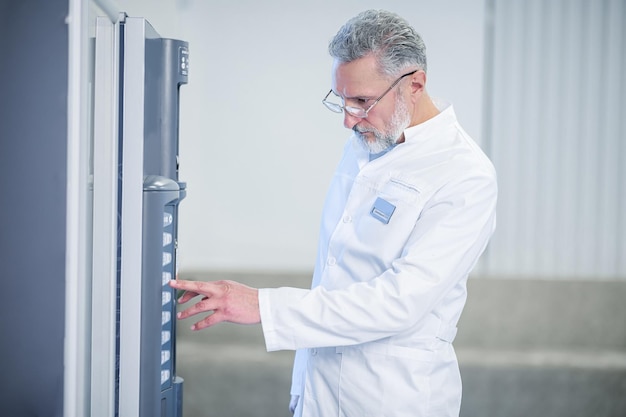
(502, 391)
(543, 348)
(523, 314)
(543, 359)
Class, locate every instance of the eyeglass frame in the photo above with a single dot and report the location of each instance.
(361, 113)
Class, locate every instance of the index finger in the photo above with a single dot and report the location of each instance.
(198, 287)
(185, 285)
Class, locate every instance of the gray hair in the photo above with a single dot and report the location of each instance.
(394, 43)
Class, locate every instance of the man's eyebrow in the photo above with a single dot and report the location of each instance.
(361, 97)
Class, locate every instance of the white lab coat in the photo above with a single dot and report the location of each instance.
(398, 238)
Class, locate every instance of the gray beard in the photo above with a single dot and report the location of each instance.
(400, 120)
(377, 146)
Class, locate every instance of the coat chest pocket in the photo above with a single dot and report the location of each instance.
(390, 214)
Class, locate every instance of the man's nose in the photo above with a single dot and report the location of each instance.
(349, 120)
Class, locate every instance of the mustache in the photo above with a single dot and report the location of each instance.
(360, 129)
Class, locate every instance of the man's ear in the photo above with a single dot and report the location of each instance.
(418, 86)
(418, 82)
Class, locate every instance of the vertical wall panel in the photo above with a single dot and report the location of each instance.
(33, 180)
(555, 129)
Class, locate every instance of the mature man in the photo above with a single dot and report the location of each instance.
(410, 209)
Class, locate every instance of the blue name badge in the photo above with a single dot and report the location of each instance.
(382, 210)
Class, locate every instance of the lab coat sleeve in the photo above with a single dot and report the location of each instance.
(270, 302)
(452, 231)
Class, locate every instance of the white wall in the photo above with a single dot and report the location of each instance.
(557, 134)
(257, 147)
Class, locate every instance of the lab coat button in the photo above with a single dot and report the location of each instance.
(331, 261)
(313, 352)
(347, 218)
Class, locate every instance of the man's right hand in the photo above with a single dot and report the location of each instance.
(293, 403)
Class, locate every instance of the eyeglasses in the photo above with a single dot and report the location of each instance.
(357, 111)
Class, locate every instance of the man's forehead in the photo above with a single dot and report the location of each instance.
(356, 78)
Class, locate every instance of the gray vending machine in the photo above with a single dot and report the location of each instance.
(137, 191)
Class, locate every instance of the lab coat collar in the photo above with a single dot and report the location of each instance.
(420, 132)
